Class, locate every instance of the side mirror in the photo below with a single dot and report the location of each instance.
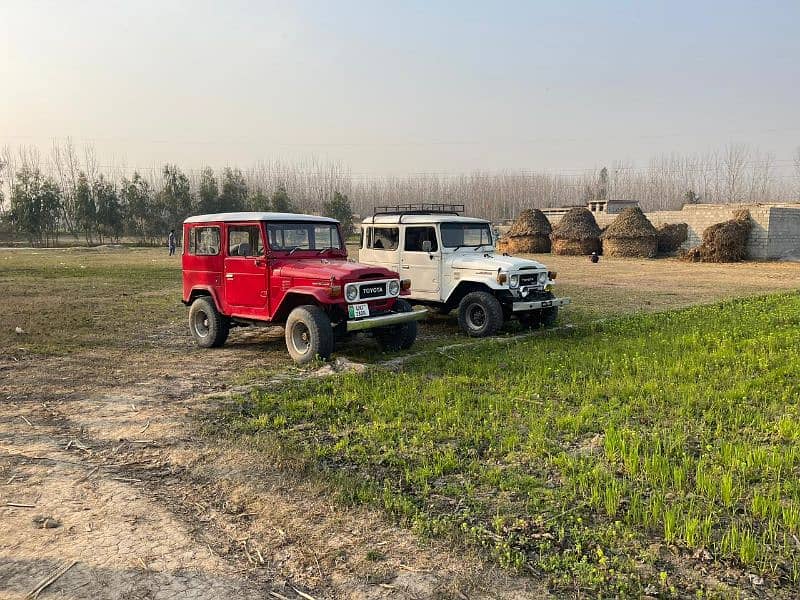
(426, 246)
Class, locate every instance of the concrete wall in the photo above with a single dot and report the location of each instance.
(784, 233)
(775, 233)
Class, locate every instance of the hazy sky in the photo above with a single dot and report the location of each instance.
(400, 87)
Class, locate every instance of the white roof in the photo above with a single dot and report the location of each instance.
(432, 218)
(257, 216)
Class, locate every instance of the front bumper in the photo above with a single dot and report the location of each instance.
(386, 320)
(539, 304)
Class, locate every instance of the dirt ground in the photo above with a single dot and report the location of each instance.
(104, 441)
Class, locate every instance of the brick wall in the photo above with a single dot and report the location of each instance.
(775, 233)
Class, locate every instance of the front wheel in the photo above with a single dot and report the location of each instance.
(209, 328)
(480, 314)
(548, 316)
(309, 334)
(398, 337)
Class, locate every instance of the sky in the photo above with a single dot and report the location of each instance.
(401, 87)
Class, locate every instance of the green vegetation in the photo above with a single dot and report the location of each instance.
(582, 455)
(65, 300)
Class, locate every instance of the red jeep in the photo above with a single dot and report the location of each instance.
(254, 268)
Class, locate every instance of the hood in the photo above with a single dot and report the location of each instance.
(492, 262)
(342, 270)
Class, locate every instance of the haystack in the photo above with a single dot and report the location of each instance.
(724, 242)
(631, 235)
(530, 233)
(576, 234)
(671, 237)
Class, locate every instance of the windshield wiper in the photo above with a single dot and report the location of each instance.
(293, 250)
(325, 249)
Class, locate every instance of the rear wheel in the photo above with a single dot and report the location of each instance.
(309, 334)
(209, 328)
(480, 314)
(398, 337)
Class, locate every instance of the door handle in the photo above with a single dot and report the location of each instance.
(228, 275)
(259, 262)
(406, 267)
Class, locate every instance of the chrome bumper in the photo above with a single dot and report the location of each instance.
(538, 304)
(386, 320)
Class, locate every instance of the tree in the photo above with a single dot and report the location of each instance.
(109, 211)
(234, 191)
(35, 206)
(259, 201)
(690, 197)
(281, 201)
(137, 201)
(175, 200)
(85, 208)
(208, 193)
(339, 208)
(602, 185)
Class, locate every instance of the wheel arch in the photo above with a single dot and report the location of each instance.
(291, 301)
(463, 288)
(199, 292)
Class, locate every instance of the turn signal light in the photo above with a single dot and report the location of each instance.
(551, 274)
(405, 284)
(335, 291)
(502, 278)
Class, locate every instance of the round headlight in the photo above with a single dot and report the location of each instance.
(394, 287)
(513, 281)
(351, 292)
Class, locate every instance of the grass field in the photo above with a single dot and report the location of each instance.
(628, 456)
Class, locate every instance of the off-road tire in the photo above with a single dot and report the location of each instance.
(544, 317)
(398, 337)
(548, 316)
(530, 320)
(480, 314)
(208, 327)
(308, 334)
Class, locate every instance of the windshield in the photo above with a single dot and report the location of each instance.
(456, 235)
(303, 236)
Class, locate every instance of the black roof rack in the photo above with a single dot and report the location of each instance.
(424, 208)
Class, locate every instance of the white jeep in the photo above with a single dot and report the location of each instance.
(451, 262)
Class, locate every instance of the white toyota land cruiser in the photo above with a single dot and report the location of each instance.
(451, 262)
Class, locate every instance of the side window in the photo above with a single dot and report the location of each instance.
(385, 238)
(245, 240)
(204, 241)
(415, 236)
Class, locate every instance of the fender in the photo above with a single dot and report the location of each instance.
(472, 282)
(297, 296)
(203, 290)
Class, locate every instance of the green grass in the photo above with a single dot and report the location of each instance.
(583, 455)
(65, 300)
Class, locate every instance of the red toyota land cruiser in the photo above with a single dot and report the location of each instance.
(253, 268)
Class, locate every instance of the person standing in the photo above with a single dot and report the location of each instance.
(171, 242)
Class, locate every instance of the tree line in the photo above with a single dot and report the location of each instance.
(96, 209)
(68, 193)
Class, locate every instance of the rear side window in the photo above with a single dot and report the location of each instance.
(204, 241)
(245, 240)
(384, 238)
(416, 235)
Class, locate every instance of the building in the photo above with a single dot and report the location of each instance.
(610, 207)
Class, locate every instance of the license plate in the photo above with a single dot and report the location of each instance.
(358, 310)
(546, 303)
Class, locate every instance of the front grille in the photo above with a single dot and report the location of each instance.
(529, 279)
(372, 290)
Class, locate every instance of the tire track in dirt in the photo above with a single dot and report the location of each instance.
(149, 509)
